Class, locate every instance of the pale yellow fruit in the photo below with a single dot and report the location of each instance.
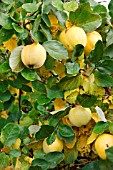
(92, 38)
(102, 143)
(57, 145)
(73, 36)
(53, 19)
(33, 55)
(79, 116)
(63, 39)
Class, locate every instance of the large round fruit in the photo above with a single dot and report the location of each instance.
(79, 116)
(57, 145)
(102, 143)
(72, 36)
(92, 38)
(33, 55)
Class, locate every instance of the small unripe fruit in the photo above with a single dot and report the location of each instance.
(57, 145)
(33, 55)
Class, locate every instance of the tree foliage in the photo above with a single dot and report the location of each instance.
(34, 103)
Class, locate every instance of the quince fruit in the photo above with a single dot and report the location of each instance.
(57, 145)
(33, 55)
(72, 36)
(102, 143)
(79, 116)
(92, 39)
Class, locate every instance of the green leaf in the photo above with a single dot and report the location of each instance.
(30, 7)
(14, 153)
(29, 74)
(46, 6)
(16, 83)
(58, 4)
(39, 86)
(109, 51)
(100, 127)
(26, 106)
(5, 21)
(86, 100)
(5, 35)
(54, 92)
(78, 50)
(18, 28)
(50, 139)
(72, 68)
(43, 99)
(2, 123)
(26, 88)
(105, 164)
(44, 132)
(46, 32)
(106, 67)
(84, 18)
(111, 127)
(54, 158)
(70, 6)
(46, 19)
(57, 116)
(9, 134)
(4, 67)
(109, 154)
(66, 139)
(110, 7)
(102, 11)
(8, 1)
(62, 17)
(56, 49)
(4, 160)
(70, 155)
(40, 163)
(70, 83)
(49, 63)
(103, 80)
(94, 165)
(66, 130)
(109, 38)
(15, 59)
(96, 55)
(5, 96)
(51, 81)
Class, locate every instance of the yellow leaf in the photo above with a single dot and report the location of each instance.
(60, 69)
(65, 120)
(8, 168)
(82, 146)
(88, 84)
(11, 43)
(4, 114)
(43, 73)
(59, 103)
(100, 91)
(71, 95)
(16, 145)
(18, 165)
(95, 117)
(91, 138)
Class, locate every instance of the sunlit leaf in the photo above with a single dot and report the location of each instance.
(9, 134)
(15, 59)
